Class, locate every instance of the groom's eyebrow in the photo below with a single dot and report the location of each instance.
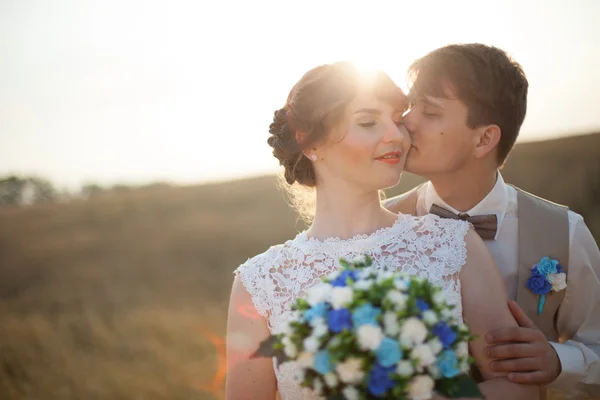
(430, 102)
(368, 111)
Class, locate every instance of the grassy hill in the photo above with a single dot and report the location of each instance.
(124, 296)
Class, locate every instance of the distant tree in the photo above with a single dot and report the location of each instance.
(11, 189)
(91, 189)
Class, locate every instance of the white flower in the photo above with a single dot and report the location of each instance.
(306, 359)
(331, 379)
(397, 298)
(439, 298)
(435, 345)
(350, 393)
(413, 331)
(390, 323)
(462, 349)
(423, 355)
(287, 329)
(401, 284)
(361, 259)
(317, 386)
(311, 344)
(405, 368)
(558, 281)
(434, 371)
(369, 337)
(448, 315)
(350, 370)
(333, 275)
(341, 296)
(382, 276)
(319, 327)
(430, 317)
(364, 284)
(318, 293)
(365, 273)
(464, 366)
(289, 348)
(420, 388)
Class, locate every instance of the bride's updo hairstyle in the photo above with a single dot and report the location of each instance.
(315, 106)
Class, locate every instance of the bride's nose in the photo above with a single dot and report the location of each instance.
(396, 133)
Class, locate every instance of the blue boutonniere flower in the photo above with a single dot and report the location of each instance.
(546, 276)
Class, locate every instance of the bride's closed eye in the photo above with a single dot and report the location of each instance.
(367, 124)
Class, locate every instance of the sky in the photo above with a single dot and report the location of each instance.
(123, 91)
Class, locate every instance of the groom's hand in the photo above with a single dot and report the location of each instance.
(529, 359)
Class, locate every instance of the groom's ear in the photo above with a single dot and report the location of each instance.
(488, 139)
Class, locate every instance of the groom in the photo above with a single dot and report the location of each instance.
(468, 104)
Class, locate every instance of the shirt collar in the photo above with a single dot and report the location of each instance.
(496, 201)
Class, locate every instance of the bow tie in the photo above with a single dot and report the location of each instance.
(485, 225)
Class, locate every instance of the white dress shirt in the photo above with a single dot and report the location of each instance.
(579, 314)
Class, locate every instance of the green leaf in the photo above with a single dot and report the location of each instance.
(267, 349)
(466, 387)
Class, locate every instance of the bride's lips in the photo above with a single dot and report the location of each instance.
(393, 157)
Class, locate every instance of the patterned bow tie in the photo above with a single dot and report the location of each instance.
(485, 225)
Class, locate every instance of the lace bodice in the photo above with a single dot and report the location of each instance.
(428, 247)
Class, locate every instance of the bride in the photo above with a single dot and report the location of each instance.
(340, 132)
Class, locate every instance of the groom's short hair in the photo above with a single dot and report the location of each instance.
(485, 78)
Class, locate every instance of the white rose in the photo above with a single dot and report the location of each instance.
(369, 337)
(365, 273)
(287, 329)
(397, 298)
(341, 296)
(318, 293)
(311, 344)
(306, 359)
(382, 276)
(423, 355)
(361, 259)
(439, 298)
(350, 393)
(333, 275)
(350, 370)
(462, 349)
(434, 371)
(320, 327)
(448, 315)
(289, 348)
(464, 366)
(364, 284)
(317, 386)
(331, 379)
(401, 284)
(430, 317)
(413, 331)
(405, 368)
(559, 282)
(299, 375)
(390, 323)
(421, 387)
(435, 345)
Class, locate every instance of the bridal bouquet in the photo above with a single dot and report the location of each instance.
(375, 334)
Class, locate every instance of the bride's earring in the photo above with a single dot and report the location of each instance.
(314, 157)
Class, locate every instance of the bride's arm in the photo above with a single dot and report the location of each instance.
(247, 379)
(485, 309)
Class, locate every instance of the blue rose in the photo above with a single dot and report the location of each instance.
(445, 333)
(448, 364)
(547, 266)
(388, 353)
(422, 305)
(559, 269)
(365, 315)
(318, 310)
(380, 380)
(538, 284)
(338, 320)
(322, 362)
(343, 277)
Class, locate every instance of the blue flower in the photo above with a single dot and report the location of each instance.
(422, 305)
(342, 279)
(380, 380)
(446, 335)
(538, 283)
(547, 266)
(448, 364)
(365, 315)
(338, 320)
(389, 353)
(318, 310)
(559, 269)
(322, 363)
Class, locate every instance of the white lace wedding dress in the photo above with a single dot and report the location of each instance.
(428, 247)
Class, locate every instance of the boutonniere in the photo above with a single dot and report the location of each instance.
(546, 276)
